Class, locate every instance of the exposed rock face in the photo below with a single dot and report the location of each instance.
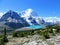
(13, 20)
(26, 18)
(32, 17)
(34, 40)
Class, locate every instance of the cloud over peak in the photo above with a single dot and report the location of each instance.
(26, 13)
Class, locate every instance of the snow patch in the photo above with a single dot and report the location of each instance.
(1, 14)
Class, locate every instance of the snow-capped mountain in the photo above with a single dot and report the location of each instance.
(52, 20)
(40, 20)
(12, 19)
(1, 14)
(10, 16)
(32, 17)
(29, 12)
(26, 18)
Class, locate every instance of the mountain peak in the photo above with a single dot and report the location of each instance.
(10, 11)
(26, 13)
(29, 12)
(10, 14)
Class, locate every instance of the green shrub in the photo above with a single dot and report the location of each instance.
(15, 34)
(39, 32)
(1, 41)
(46, 34)
(51, 31)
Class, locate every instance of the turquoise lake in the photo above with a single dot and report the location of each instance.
(36, 26)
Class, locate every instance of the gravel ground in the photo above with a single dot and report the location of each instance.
(33, 40)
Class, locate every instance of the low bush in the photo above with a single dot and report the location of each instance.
(15, 34)
(1, 41)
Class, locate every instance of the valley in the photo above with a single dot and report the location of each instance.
(19, 29)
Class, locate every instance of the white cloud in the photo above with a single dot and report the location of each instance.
(1, 14)
(51, 19)
(27, 13)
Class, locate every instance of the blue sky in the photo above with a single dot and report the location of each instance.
(44, 8)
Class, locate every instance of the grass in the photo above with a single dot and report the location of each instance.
(46, 33)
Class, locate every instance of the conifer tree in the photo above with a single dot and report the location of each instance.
(5, 35)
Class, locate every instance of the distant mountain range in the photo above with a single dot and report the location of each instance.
(13, 20)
